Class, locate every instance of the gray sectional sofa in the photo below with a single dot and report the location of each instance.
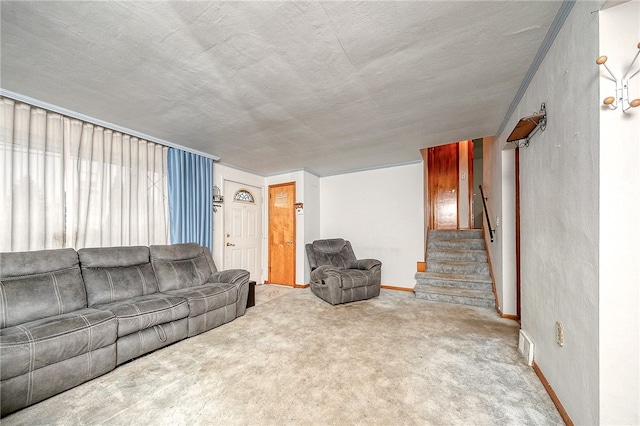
(67, 317)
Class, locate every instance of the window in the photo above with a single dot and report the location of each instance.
(244, 196)
(69, 183)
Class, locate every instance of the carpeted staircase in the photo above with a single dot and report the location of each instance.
(457, 269)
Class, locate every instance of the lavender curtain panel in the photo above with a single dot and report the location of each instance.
(190, 179)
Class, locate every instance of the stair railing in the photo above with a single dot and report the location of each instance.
(486, 212)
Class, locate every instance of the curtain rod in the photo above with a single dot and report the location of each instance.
(54, 108)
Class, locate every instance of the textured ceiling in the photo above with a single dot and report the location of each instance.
(277, 86)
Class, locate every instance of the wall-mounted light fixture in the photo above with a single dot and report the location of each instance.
(528, 126)
(622, 86)
(217, 199)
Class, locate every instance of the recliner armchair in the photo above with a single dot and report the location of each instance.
(337, 276)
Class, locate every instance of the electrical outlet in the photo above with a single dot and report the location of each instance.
(559, 334)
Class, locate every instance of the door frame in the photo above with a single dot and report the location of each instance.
(429, 210)
(470, 173)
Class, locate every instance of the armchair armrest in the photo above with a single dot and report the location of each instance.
(368, 264)
(327, 276)
(325, 271)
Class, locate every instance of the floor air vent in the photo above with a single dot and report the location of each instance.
(525, 345)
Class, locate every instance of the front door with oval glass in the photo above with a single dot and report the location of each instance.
(243, 228)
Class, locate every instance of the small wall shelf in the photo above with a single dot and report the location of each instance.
(528, 126)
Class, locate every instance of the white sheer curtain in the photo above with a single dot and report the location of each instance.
(68, 183)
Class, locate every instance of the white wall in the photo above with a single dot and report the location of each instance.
(498, 183)
(619, 297)
(559, 215)
(381, 212)
(312, 216)
(492, 179)
(477, 199)
(507, 227)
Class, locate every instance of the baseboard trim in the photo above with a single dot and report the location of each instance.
(390, 287)
(552, 394)
(287, 285)
(509, 316)
(301, 285)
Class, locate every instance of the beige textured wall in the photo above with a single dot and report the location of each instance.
(559, 215)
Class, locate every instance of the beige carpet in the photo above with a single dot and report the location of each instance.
(295, 359)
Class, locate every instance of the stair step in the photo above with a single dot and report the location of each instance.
(457, 244)
(455, 233)
(463, 255)
(477, 282)
(458, 267)
(456, 295)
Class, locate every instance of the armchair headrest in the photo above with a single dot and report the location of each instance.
(335, 245)
(336, 252)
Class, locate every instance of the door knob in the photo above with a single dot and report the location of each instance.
(290, 242)
(230, 244)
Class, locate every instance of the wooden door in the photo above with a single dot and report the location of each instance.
(243, 228)
(282, 234)
(443, 186)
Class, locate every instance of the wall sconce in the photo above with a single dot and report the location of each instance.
(217, 199)
(622, 86)
(528, 126)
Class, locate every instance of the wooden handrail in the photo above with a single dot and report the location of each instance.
(486, 212)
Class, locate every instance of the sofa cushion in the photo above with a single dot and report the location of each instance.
(147, 340)
(336, 252)
(142, 312)
(36, 344)
(39, 284)
(181, 265)
(27, 389)
(207, 297)
(116, 273)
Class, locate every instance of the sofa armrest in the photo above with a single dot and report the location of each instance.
(368, 264)
(231, 276)
(238, 277)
